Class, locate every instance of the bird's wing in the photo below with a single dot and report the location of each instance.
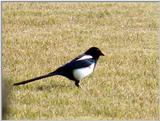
(80, 61)
(78, 57)
(79, 64)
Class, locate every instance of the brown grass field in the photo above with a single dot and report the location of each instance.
(38, 37)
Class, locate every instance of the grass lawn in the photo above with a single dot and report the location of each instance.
(38, 37)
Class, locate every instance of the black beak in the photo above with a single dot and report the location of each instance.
(102, 54)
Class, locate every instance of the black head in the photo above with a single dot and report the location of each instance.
(94, 51)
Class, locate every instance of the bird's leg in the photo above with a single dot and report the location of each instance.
(77, 84)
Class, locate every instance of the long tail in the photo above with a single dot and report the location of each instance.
(34, 79)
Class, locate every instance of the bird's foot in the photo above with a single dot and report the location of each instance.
(77, 84)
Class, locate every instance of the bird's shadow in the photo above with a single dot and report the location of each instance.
(52, 86)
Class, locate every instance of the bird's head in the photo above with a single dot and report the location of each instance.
(94, 51)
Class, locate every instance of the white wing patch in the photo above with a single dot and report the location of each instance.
(80, 73)
(85, 57)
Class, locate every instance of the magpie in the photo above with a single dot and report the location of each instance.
(75, 70)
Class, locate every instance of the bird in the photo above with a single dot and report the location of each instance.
(76, 69)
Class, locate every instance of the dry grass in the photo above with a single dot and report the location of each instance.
(39, 37)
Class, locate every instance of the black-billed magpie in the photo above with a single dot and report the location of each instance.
(75, 70)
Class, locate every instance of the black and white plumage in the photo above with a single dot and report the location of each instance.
(75, 70)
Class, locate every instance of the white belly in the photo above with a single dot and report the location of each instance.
(79, 74)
